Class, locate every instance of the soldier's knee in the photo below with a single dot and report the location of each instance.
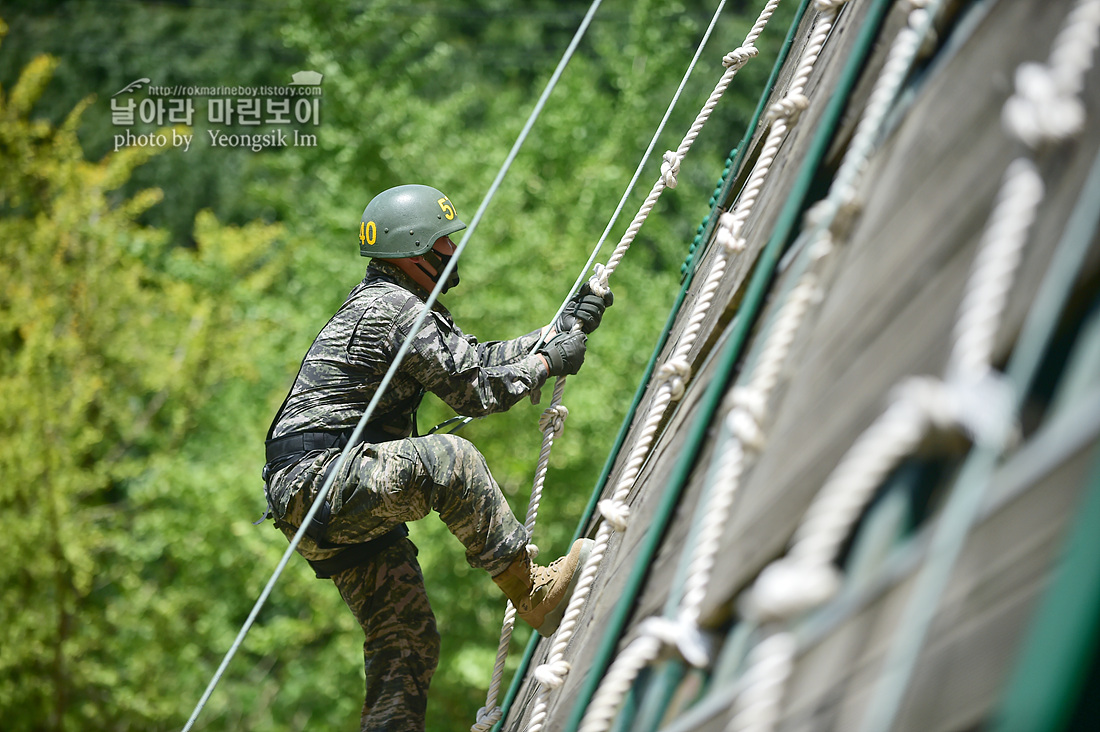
(450, 455)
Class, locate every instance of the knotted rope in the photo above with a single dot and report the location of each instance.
(972, 398)
(743, 418)
(672, 380)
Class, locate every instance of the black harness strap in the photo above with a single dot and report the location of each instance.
(303, 442)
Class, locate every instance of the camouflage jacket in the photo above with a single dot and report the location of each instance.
(343, 368)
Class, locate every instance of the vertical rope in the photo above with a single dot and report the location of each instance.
(676, 372)
(672, 377)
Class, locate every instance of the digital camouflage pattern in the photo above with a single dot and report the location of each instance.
(385, 484)
(401, 646)
(351, 354)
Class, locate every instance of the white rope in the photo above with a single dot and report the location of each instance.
(552, 423)
(616, 513)
(770, 664)
(743, 419)
(784, 588)
(972, 398)
(1047, 106)
(744, 423)
(1071, 58)
(673, 377)
(998, 257)
(655, 634)
(733, 62)
(895, 70)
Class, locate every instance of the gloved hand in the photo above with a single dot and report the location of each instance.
(586, 307)
(564, 353)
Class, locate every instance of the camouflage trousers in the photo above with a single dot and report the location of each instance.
(379, 487)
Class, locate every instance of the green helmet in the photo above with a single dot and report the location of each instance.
(406, 221)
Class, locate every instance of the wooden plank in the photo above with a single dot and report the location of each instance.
(890, 310)
(973, 640)
(1001, 573)
(891, 304)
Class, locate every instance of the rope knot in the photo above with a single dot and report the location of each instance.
(788, 587)
(532, 551)
(821, 249)
(486, 719)
(789, 107)
(745, 415)
(676, 372)
(598, 281)
(553, 419)
(670, 168)
(728, 234)
(729, 241)
(1041, 110)
(616, 513)
(821, 213)
(681, 634)
(932, 398)
(739, 56)
(980, 405)
(552, 674)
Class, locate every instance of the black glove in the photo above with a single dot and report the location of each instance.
(586, 307)
(564, 353)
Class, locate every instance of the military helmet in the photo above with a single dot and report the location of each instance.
(406, 221)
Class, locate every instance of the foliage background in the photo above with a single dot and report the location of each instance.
(154, 306)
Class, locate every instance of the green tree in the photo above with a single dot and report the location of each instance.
(128, 379)
(188, 44)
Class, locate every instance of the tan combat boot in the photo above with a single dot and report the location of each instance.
(541, 594)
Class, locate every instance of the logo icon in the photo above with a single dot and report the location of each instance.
(305, 78)
(133, 86)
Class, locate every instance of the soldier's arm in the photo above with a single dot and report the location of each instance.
(449, 366)
(500, 353)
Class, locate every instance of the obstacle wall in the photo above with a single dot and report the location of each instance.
(885, 426)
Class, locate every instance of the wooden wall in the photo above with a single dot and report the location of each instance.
(889, 303)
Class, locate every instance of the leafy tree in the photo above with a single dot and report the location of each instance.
(127, 376)
(189, 44)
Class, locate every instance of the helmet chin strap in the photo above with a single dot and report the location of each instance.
(439, 262)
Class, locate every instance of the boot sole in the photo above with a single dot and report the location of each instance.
(553, 618)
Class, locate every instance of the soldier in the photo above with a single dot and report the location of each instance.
(358, 537)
